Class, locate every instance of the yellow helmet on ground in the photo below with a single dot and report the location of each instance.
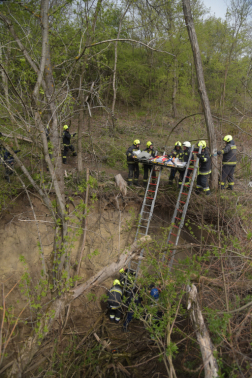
(178, 143)
(202, 143)
(116, 282)
(228, 138)
(148, 144)
(136, 141)
(65, 127)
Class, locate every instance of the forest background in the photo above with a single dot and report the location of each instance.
(115, 72)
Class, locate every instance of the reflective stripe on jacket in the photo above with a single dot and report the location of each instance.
(115, 296)
(150, 151)
(130, 153)
(177, 153)
(205, 162)
(66, 138)
(229, 154)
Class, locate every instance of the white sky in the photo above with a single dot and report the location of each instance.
(218, 7)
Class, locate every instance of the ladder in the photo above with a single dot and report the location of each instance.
(144, 220)
(181, 207)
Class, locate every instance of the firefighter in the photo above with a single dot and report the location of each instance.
(177, 152)
(115, 301)
(147, 167)
(66, 142)
(228, 162)
(185, 157)
(132, 165)
(204, 169)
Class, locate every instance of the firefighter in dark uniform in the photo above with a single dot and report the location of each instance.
(177, 152)
(147, 167)
(132, 165)
(204, 169)
(115, 301)
(185, 157)
(66, 142)
(228, 162)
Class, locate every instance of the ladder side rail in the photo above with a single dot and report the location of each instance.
(143, 205)
(154, 200)
(185, 209)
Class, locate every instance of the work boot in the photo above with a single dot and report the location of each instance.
(170, 182)
(64, 160)
(136, 183)
(208, 193)
(198, 191)
(74, 153)
(230, 187)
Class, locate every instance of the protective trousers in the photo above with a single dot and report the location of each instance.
(133, 172)
(115, 314)
(227, 174)
(66, 149)
(172, 175)
(202, 184)
(181, 176)
(147, 168)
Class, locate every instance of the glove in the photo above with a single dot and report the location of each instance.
(198, 156)
(74, 134)
(219, 152)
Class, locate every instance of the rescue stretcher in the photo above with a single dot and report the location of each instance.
(163, 161)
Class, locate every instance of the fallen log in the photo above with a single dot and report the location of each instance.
(56, 308)
(203, 337)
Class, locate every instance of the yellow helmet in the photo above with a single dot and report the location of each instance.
(148, 144)
(228, 138)
(202, 143)
(136, 141)
(121, 270)
(65, 127)
(116, 282)
(178, 143)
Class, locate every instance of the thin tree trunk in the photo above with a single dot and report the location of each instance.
(115, 65)
(202, 90)
(175, 87)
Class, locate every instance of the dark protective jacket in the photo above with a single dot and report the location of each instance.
(8, 157)
(185, 156)
(66, 138)
(177, 153)
(150, 151)
(229, 154)
(130, 153)
(205, 163)
(115, 296)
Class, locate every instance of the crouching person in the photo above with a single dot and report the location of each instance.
(115, 301)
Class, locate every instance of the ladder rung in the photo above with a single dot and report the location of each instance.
(143, 226)
(187, 176)
(152, 183)
(178, 218)
(146, 212)
(186, 194)
(141, 233)
(181, 201)
(171, 242)
(192, 160)
(173, 234)
(181, 211)
(147, 205)
(175, 226)
(150, 198)
(191, 169)
(152, 191)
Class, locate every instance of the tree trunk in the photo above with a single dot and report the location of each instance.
(202, 90)
(206, 347)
